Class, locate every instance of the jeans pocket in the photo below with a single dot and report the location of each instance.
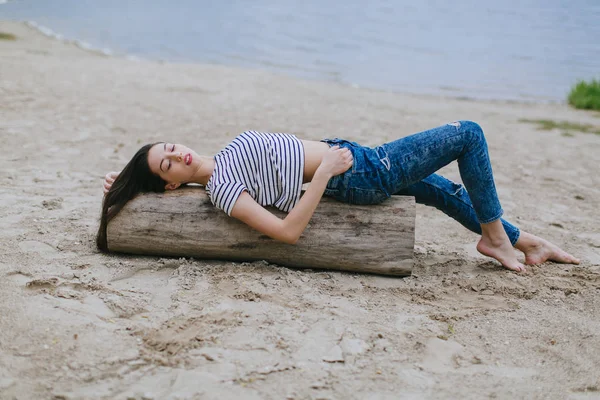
(358, 164)
(366, 196)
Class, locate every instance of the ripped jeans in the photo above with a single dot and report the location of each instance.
(407, 166)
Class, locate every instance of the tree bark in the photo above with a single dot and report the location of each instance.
(376, 238)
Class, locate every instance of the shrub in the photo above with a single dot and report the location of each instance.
(586, 95)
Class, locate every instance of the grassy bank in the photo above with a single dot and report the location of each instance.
(565, 126)
(7, 36)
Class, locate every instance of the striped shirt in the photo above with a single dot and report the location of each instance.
(269, 166)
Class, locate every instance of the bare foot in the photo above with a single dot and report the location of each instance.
(502, 251)
(538, 250)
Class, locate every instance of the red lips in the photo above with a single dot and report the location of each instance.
(187, 159)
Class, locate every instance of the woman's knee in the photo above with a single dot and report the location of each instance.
(473, 129)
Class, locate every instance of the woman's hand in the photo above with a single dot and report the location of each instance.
(108, 180)
(336, 161)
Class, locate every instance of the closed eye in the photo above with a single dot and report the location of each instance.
(172, 150)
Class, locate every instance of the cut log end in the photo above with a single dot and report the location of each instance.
(183, 223)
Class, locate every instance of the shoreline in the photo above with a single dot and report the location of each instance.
(50, 34)
(78, 324)
(443, 92)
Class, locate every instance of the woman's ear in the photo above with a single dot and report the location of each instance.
(172, 186)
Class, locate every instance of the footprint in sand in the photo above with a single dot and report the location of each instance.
(41, 248)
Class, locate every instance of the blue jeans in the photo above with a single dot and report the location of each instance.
(407, 166)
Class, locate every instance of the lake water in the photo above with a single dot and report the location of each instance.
(531, 50)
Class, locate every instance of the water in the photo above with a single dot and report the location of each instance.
(532, 50)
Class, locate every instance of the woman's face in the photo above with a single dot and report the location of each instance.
(175, 163)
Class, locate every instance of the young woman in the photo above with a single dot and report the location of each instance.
(261, 169)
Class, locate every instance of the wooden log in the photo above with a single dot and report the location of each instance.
(376, 238)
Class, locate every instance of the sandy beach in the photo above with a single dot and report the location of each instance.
(78, 324)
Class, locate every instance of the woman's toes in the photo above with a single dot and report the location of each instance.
(519, 268)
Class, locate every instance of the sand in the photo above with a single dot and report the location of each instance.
(77, 324)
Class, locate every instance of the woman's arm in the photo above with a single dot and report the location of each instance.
(289, 229)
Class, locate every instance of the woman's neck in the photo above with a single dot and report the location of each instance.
(206, 166)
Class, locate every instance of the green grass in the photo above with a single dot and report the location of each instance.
(7, 36)
(585, 95)
(565, 126)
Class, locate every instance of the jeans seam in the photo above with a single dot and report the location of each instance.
(495, 218)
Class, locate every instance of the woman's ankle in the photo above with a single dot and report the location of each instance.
(494, 233)
(527, 241)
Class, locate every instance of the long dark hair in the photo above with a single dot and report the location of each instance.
(135, 178)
